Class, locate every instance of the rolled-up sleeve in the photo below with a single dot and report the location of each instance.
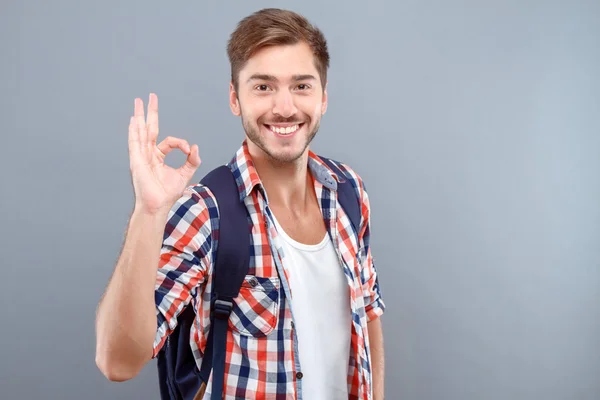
(374, 305)
(185, 258)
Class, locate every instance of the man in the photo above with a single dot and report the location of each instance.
(311, 285)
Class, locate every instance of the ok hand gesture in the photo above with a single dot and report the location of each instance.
(156, 185)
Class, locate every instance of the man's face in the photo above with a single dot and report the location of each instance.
(281, 100)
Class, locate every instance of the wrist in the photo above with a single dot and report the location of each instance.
(155, 214)
(150, 212)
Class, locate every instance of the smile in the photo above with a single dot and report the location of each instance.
(284, 130)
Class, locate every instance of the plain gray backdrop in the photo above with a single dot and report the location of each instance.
(474, 124)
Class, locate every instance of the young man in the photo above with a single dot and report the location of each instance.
(305, 324)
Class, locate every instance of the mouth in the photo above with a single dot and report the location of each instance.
(284, 130)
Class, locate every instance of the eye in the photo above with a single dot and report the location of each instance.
(262, 88)
(303, 86)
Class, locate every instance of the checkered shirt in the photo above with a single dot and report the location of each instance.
(262, 350)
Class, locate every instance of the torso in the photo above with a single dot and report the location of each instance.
(320, 298)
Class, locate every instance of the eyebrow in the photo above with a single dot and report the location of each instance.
(272, 78)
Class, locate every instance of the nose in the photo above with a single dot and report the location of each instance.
(284, 104)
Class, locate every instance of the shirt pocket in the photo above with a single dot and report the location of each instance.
(256, 309)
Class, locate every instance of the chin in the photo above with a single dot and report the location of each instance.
(278, 152)
(286, 157)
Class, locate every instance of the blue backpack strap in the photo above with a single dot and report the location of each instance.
(347, 195)
(179, 378)
(230, 268)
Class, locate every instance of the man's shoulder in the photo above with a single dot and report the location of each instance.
(196, 203)
(201, 193)
(349, 173)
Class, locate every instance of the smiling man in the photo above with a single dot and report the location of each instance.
(306, 322)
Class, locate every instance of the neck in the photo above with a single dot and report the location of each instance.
(286, 184)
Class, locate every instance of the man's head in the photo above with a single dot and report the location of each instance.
(279, 65)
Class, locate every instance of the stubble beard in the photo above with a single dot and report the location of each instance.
(253, 134)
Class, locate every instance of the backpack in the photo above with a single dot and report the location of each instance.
(179, 377)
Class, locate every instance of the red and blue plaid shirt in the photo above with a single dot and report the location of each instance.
(262, 359)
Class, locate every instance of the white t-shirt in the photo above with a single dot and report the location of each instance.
(322, 315)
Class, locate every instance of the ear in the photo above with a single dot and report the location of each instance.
(324, 102)
(234, 103)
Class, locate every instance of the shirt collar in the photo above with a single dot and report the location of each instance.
(247, 178)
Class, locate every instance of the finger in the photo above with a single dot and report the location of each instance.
(192, 163)
(196, 161)
(171, 143)
(152, 125)
(134, 138)
(141, 123)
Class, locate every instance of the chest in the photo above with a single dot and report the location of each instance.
(307, 229)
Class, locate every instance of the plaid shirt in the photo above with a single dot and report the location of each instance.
(262, 351)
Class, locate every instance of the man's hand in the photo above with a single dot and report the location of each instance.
(156, 185)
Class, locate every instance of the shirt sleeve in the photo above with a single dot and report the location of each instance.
(374, 305)
(185, 258)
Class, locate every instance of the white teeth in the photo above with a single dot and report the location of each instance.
(285, 131)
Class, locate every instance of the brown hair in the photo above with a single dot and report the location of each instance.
(270, 27)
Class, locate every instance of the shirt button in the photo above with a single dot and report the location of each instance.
(299, 375)
(253, 282)
(292, 324)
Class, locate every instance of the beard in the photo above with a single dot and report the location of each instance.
(282, 157)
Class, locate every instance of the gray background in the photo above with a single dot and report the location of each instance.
(475, 125)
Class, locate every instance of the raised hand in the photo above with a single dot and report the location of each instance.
(156, 185)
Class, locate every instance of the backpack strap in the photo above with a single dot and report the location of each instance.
(230, 266)
(347, 195)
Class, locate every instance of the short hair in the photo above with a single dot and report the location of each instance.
(271, 27)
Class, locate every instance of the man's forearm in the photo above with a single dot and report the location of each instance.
(377, 357)
(126, 318)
